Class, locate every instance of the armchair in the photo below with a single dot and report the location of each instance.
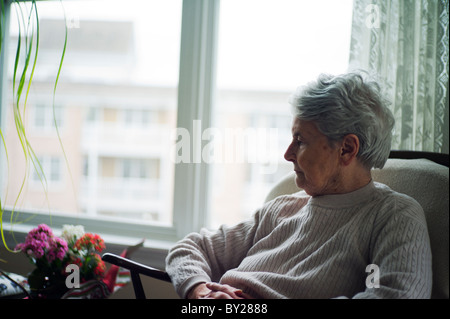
(421, 175)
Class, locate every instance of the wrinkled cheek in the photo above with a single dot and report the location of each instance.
(300, 180)
(307, 182)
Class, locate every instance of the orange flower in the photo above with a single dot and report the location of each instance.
(90, 242)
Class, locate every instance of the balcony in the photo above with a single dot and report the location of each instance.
(116, 140)
(120, 197)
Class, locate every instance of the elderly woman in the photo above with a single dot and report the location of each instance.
(342, 236)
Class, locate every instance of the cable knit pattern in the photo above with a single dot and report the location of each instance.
(297, 246)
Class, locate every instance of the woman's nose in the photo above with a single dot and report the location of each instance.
(290, 154)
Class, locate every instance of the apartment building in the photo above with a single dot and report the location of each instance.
(113, 157)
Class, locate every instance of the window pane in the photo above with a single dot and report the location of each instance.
(267, 48)
(116, 98)
(40, 116)
(55, 169)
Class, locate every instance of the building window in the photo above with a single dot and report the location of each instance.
(45, 117)
(48, 170)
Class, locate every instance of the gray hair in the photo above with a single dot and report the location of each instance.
(348, 104)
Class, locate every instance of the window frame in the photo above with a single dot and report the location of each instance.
(198, 55)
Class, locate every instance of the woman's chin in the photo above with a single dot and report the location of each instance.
(299, 181)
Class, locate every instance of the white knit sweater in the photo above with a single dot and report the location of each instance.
(299, 246)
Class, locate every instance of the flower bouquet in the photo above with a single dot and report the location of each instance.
(52, 255)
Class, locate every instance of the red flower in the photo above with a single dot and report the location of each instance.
(100, 268)
(90, 242)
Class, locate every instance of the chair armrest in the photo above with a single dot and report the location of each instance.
(136, 267)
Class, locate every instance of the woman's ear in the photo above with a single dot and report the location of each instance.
(349, 148)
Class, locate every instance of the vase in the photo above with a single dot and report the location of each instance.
(46, 285)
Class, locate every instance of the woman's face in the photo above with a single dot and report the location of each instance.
(316, 163)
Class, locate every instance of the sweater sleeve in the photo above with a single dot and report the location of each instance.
(401, 254)
(206, 256)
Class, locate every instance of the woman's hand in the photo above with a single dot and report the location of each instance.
(213, 290)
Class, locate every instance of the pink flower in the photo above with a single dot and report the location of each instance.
(38, 252)
(41, 242)
(60, 247)
(57, 249)
(51, 256)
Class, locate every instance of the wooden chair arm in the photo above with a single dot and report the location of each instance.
(135, 269)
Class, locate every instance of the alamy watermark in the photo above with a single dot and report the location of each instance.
(230, 145)
(373, 279)
(73, 279)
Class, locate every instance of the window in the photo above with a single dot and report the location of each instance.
(51, 169)
(266, 49)
(116, 98)
(139, 118)
(158, 79)
(44, 119)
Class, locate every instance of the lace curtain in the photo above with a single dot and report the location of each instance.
(405, 44)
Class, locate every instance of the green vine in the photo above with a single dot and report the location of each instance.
(27, 53)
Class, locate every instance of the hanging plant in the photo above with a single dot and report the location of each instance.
(25, 61)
